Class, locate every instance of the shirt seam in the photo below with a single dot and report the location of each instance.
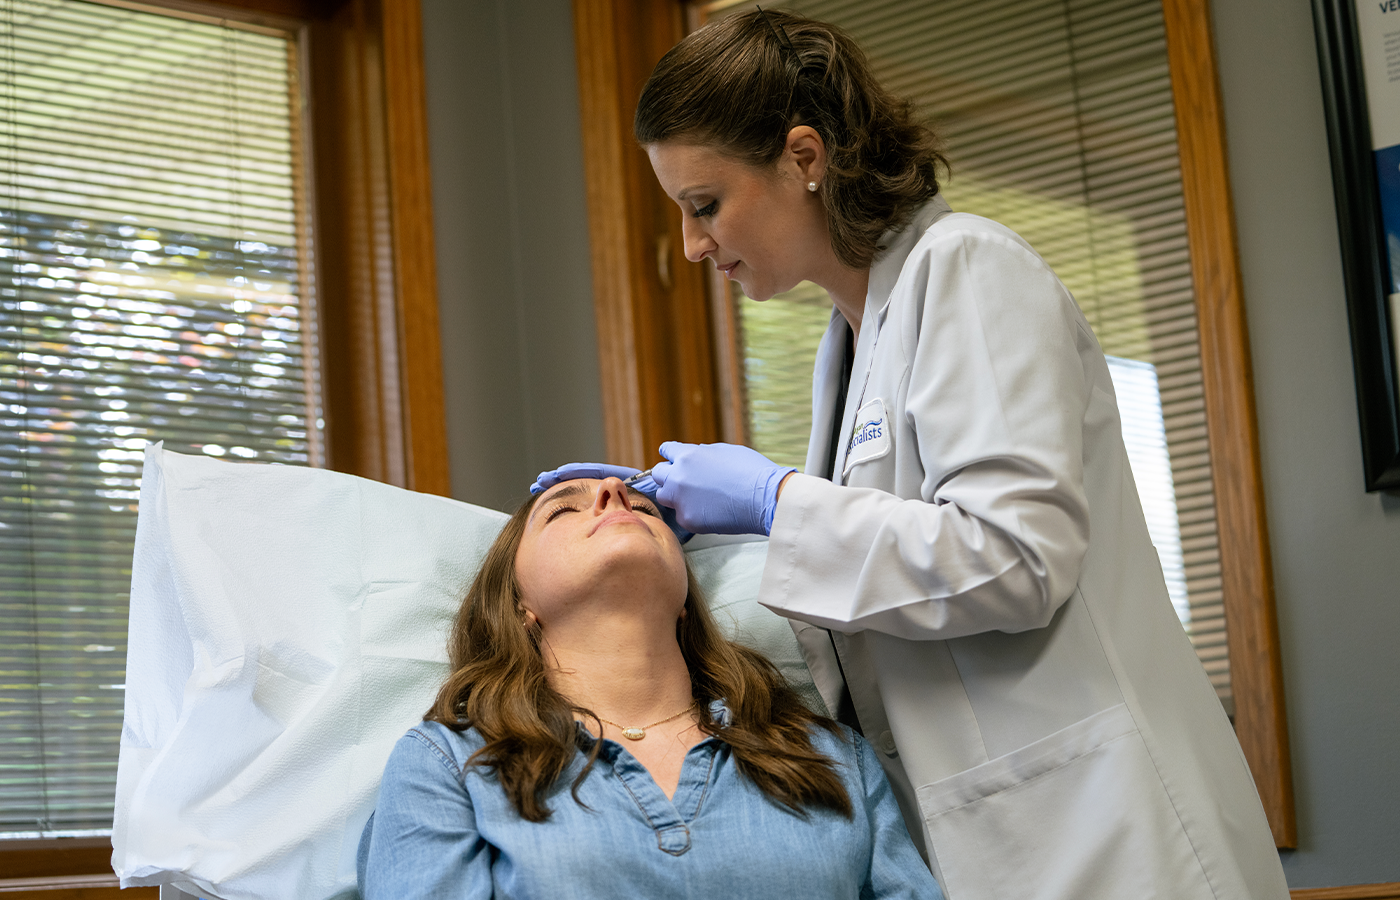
(438, 751)
(705, 791)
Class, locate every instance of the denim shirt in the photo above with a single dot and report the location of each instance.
(445, 830)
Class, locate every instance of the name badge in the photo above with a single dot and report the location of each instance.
(870, 439)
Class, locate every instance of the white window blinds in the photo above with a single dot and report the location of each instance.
(152, 287)
(1059, 123)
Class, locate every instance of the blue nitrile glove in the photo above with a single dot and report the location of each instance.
(719, 488)
(546, 480)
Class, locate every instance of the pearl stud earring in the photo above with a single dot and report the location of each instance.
(812, 186)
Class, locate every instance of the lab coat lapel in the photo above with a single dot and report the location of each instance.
(826, 384)
(884, 276)
(860, 375)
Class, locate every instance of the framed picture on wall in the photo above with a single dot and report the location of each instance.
(1359, 52)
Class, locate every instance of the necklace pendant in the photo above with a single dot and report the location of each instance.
(634, 734)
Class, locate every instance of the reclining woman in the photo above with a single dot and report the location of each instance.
(598, 737)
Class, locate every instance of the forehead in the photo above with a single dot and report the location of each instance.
(682, 166)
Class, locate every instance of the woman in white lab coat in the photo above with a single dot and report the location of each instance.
(965, 560)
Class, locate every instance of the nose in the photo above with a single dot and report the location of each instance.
(612, 494)
(698, 243)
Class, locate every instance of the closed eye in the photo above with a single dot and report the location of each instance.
(558, 511)
(707, 210)
(641, 502)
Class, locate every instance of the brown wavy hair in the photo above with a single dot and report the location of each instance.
(499, 687)
(743, 82)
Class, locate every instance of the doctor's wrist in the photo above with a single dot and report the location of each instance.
(781, 485)
(776, 477)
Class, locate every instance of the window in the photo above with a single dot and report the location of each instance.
(135, 304)
(1062, 198)
(153, 291)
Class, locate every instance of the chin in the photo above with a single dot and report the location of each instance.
(762, 292)
(758, 294)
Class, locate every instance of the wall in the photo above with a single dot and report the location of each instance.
(1336, 548)
(519, 345)
(520, 357)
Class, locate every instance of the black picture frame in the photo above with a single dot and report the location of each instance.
(1365, 262)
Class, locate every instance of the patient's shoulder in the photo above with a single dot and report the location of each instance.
(853, 754)
(841, 745)
(434, 740)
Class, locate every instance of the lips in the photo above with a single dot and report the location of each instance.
(729, 269)
(615, 516)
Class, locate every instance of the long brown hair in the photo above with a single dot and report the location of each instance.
(743, 82)
(499, 687)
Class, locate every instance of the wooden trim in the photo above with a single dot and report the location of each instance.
(36, 857)
(60, 891)
(1256, 670)
(415, 263)
(1387, 891)
(62, 869)
(605, 172)
(654, 335)
(729, 368)
(375, 272)
(73, 887)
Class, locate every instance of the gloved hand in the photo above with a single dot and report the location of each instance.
(546, 480)
(719, 488)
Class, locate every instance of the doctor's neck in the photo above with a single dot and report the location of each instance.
(847, 288)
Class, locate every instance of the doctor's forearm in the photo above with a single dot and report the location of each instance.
(855, 559)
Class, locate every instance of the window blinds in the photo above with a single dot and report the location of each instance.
(152, 287)
(1059, 123)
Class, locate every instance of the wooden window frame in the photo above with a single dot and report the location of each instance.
(375, 294)
(646, 297)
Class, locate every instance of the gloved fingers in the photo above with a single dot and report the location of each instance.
(718, 488)
(568, 472)
(659, 473)
(671, 449)
(666, 487)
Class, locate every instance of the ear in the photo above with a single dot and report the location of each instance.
(806, 152)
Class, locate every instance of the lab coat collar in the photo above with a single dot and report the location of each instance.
(890, 262)
(827, 377)
(884, 274)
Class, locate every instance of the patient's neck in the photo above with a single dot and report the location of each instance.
(622, 666)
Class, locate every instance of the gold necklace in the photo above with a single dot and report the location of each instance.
(637, 732)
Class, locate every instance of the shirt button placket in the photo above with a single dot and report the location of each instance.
(674, 840)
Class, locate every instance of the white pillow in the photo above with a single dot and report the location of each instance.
(288, 625)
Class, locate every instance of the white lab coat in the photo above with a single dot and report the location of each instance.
(999, 611)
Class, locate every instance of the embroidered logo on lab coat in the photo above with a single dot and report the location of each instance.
(870, 439)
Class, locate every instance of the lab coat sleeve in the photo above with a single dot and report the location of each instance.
(897, 872)
(994, 524)
(422, 839)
